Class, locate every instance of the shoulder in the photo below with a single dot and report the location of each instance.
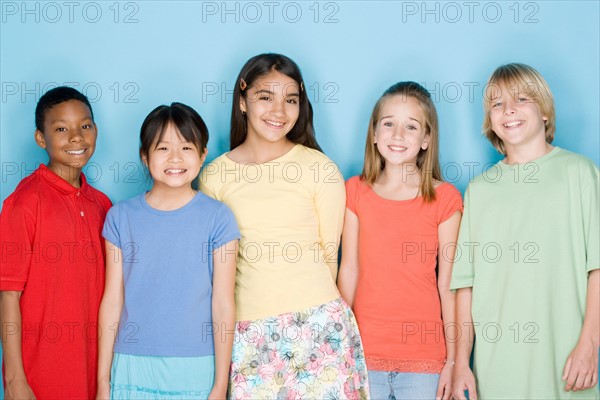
(101, 199)
(219, 161)
(28, 193)
(356, 184)
(446, 189)
(319, 167)
(212, 173)
(307, 154)
(208, 204)
(127, 207)
(570, 158)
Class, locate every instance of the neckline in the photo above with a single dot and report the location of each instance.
(61, 184)
(539, 160)
(418, 198)
(287, 154)
(149, 208)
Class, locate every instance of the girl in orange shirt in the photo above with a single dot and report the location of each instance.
(398, 245)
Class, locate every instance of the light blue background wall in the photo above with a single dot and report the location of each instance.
(132, 56)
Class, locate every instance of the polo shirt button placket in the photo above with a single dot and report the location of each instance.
(82, 225)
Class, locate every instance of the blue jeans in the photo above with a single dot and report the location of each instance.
(402, 386)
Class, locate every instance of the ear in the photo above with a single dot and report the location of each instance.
(39, 138)
(425, 143)
(203, 155)
(144, 158)
(242, 104)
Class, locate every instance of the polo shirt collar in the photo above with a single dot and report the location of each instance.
(63, 186)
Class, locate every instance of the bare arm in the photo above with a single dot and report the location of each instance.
(223, 314)
(581, 368)
(348, 275)
(463, 376)
(110, 313)
(447, 236)
(10, 321)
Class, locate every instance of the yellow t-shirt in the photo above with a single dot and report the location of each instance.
(290, 213)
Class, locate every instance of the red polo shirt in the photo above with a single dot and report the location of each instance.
(52, 250)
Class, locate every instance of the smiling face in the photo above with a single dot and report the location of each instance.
(516, 118)
(173, 162)
(400, 133)
(69, 137)
(272, 107)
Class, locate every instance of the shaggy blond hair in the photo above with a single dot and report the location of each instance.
(519, 78)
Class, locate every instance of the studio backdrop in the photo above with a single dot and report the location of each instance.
(130, 56)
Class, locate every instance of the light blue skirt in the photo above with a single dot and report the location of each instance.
(147, 377)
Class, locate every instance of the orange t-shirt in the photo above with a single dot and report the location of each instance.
(397, 304)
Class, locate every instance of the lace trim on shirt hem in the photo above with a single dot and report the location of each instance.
(416, 366)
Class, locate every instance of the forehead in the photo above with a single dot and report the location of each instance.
(71, 109)
(401, 105)
(275, 81)
(170, 134)
(496, 90)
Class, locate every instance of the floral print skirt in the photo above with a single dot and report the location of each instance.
(310, 354)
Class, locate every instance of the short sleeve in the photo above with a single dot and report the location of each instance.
(225, 227)
(17, 230)
(590, 204)
(449, 203)
(463, 272)
(111, 227)
(351, 193)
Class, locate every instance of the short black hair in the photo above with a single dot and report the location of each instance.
(56, 96)
(184, 118)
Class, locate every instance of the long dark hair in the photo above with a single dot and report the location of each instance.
(303, 131)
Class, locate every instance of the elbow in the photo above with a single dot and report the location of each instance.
(10, 295)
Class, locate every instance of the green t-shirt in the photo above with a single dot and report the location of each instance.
(528, 239)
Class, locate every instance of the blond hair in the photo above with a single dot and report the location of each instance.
(519, 78)
(427, 160)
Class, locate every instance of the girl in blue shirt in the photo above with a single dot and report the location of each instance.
(171, 252)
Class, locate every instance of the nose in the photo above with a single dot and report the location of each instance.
(278, 107)
(76, 135)
(509, 108)
(398, 133)
(175, 155)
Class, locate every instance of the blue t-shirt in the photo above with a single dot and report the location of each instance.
(167, 274)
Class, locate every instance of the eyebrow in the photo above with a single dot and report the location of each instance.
(411, 118)
(64, 120)
(265, 91)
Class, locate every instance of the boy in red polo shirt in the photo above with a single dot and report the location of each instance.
(52, 263)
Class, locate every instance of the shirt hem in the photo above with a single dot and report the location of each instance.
(396, 365)
(254, 317)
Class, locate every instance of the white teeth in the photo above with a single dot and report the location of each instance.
(274, 123)
(511, 124)
(174, 171)
(397, 148)
(76, 152)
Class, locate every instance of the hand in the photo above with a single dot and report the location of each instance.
(18, 389)
(581, 369)
(464, 380)
(444, 390)
(103, 392)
